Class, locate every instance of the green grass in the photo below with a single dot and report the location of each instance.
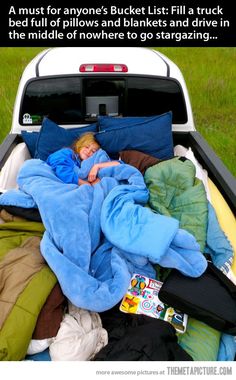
(12, 63)
(210, 75)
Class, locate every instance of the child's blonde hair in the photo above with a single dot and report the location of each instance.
(84, 140)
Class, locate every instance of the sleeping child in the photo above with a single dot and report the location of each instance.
(80, 163)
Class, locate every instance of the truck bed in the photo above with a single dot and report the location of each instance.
(219, 174)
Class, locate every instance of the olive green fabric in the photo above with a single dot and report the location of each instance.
(174, 191)
(17, 330)
(200, 341)
(13, 234)
(17, 268)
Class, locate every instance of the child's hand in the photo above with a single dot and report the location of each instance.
(93, 173)
(96, 181)
(82, 182)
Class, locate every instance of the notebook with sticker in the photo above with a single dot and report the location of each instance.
(142, 298)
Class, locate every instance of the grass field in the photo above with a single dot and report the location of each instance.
(210, 74)
(12, 64)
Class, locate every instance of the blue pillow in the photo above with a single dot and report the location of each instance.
(151, 135)
(52, 137)
(30, 138)
(111, 122)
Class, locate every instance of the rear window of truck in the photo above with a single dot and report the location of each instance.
(79, 100)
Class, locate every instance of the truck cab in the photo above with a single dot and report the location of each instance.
(74, 86)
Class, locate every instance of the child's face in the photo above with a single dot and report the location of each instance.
(88, 150)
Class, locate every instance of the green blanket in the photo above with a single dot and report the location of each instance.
(175, 191)
(18, 327)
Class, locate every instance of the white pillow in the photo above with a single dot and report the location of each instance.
(11, 167)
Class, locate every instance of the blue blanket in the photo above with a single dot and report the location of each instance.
(97, 236)
(217, 244)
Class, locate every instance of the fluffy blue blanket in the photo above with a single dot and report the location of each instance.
(97, 236)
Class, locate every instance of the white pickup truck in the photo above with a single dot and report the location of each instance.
(73, 87)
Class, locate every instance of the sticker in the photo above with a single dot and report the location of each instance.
(142, 298)
(130, 304)
(27, 119)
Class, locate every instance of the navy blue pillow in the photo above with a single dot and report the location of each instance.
(151, 135)
(111, 122)
(30, 138)
(52, 137)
